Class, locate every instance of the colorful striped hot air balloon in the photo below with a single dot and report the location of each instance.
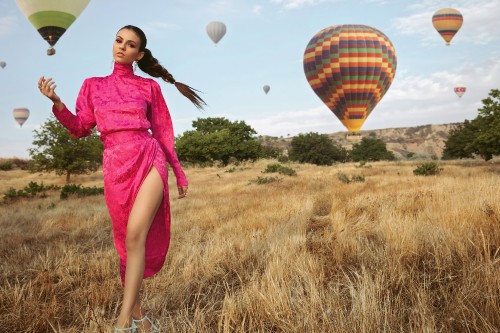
(447, 22)
(52, 17)
(21, 115)
(460, 91)
(350, 67)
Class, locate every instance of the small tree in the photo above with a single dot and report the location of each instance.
(218, 139)
(317, 149)
(371, 149)
(480, 136)
(56, 150)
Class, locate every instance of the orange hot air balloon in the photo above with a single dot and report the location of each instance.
(350, 67)
(21, 115)
(447, 22)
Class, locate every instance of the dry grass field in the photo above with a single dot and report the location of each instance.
(310, 253)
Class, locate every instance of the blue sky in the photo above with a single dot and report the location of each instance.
(264, 44)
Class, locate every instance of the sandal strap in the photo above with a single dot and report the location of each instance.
(154, 328)
(132, 328)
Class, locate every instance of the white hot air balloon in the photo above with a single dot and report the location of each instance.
(3, 64)
(21, 115)
(460, 91)
(266, 88)
(216, 30)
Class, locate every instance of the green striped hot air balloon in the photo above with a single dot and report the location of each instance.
(52, 17)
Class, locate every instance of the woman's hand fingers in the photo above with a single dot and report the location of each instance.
(182, 191)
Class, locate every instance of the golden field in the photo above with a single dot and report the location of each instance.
(395, 253)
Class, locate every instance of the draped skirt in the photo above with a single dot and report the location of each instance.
(127, 159)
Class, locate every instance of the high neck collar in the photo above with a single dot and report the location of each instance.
(123, 69)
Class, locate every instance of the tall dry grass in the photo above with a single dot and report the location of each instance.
(396, 253)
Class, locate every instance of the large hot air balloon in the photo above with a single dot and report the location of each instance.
(3, 64)
(350, 67)
(266, 88)
(447, 22)
(460, 91)
(21, 115)
(52, 17)
(216, 30)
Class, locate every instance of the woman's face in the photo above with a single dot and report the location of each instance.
(126, 47)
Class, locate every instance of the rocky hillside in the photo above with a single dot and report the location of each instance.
(425, 141)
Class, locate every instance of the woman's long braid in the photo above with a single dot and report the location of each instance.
(150, 65)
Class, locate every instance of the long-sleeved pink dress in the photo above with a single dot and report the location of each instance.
(125, 107)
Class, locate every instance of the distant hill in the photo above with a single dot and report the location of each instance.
(426, 141)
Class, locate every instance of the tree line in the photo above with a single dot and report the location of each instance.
(221, 141)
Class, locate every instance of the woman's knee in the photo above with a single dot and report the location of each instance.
(135, 240)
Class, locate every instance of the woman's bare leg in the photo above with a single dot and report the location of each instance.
(141, 217)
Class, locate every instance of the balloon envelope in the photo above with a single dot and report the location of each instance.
(460, 91)
(447, 22)
(3, 64)
(350, 67)
(52, 17)
(216, 30)
(266, 88)
(21, 115)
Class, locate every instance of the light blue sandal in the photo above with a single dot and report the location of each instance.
(132, 328)
(153, 329)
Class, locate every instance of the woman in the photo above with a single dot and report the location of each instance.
(124, 107)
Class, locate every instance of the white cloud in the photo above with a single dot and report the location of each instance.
(481, 23)
(7, 24)
(257, 9)
(410, 101)
(292, 4)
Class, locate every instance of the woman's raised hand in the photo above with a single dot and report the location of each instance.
(47, 88)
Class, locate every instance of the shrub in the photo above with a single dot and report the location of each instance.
(276, 167)
(6, 166)
(32, 189)
(80, 191)
(283, 159)
(354, 178)
(265, 180)
(427, 169)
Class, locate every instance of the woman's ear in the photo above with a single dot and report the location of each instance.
(139, 57)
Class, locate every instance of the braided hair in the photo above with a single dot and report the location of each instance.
(150, 65)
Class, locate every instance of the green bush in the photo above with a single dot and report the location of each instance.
(283, 159)
(265, 180)
(32, 189)
(276, 167)
(354, 178)
(6, 166)
(80, 191)
(427, 169)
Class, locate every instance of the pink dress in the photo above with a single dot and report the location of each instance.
(124, 107)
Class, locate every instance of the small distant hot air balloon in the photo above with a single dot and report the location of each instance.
(447, 22)
(266, 88)
(460, 91)
(216, 30)
(350, 67)
(3, 64)
(21, 115)
(52, 17)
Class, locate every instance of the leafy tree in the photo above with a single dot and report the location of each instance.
(480, 136)
(371, 149)
(458, 139)
(56, 150)
(218, 139)
(317, 149)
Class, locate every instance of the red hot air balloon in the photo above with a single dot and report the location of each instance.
(350, 67)
(460, 91)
